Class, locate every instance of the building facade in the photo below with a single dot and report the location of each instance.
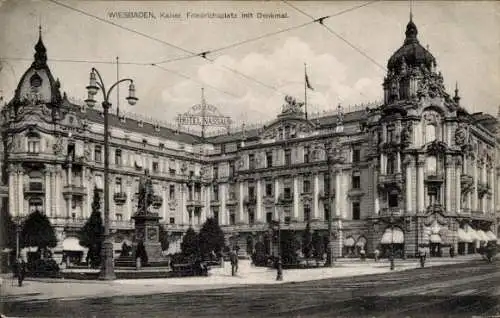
(416, 169)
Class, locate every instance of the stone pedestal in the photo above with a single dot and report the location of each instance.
(147, 231)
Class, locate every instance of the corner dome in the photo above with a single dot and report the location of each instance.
(411, 53)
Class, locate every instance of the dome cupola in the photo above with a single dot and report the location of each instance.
(412, 53)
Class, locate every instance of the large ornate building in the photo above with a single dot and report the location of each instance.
(415, 169)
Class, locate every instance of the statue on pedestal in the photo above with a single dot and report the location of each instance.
(145, 194)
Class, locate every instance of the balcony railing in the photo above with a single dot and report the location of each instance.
(391, 212)
(390, 178)
(75, 190)
(120, 198)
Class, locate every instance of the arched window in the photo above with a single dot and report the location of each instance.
(430, 132)
(431, 164)
(33, 142)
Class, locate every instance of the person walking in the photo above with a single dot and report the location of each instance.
(376, 254)
(234, 262)
(20, 271)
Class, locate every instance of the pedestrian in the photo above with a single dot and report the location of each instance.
(376, 254)
(234, 262)
(452, 251)
(362, 253)
(21, 271)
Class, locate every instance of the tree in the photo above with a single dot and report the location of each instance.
(211, 238)
(317, 243)
(307, 241)
(163, 235)
(37, 231)
(92, 233)
(7, 230)
(189, 244)
(289, 247)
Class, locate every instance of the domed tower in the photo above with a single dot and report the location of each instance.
(409, 63)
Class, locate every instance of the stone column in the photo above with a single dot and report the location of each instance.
(338, 212)
(182, 206)
(20, 193)
(258, 217)
(295, 198)
(12, 190)
(458, 187)
(315, 203)
(449, 172)
(420, 187)
(492, 185)
(241, 208)
(276, 195)
(128, 191)
(474, 194)
(485, 197)
(383, 168)
(164, 205)
(408, 184)
(46, 174)
(223, 213)
(58, 189)
(398, 162)
(376, 202)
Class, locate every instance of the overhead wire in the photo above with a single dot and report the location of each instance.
(321, 22)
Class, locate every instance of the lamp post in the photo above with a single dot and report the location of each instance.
(107, 266)
(392, 240)
(18, 220)
(279, 265)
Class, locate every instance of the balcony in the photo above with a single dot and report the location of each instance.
(355, 192)
(74, 190)
(34, 188)
(391, 212)
(435, 208)
(231, 199)
(434, 177)
(390, 178)
(120, 198)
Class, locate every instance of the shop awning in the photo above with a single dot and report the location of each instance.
(464, 237)
(491, 236)
(361, 241)
(482, 236)
(349, 242)
(435, 238)
(393, 236)
(72, 244)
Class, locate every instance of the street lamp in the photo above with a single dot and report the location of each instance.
(18, 220)
(392, 240)
(107, 267)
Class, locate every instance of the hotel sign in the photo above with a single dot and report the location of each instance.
(203, 115)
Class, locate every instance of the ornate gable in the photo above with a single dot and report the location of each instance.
(291, 122)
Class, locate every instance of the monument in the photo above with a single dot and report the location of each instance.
(147, 233)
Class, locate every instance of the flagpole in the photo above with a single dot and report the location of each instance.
(305, 89)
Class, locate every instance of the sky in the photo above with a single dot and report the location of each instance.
(248, 82)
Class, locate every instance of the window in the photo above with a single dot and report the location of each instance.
(155, 166)
(215, 191)
(327, 212)
(393, 199)
(391, 165)
(35, 181)
(306, 186)
(118, 157)
(306, 154)
(431, 165)
(118, 185)
(35, 204)
(288, 157)
(161, 145)
(171, 171)
(251, 192)
(356, 211)
(390, 134)
(356, 180)
(171, 192)
(307, 213)
(269, 189)
(119, 217)
(356, 155)
(251, 161)
(269, 217)
(172, 220)
(98, 154)
(269, 159)
(430, 132)
(251, 216)
(288, 193)
(71, 152)
(231, 169)
(232, 219)
(433, 194)
(216, 172)
(326, 181)
(216, 214)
